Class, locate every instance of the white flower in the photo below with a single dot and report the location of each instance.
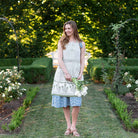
(14, 88)
(80, 88)
(136, 89)
(9, 88)
(12, 84)
(1, 72)
(85, 88)
(136, 82)
(126, 73)
(11, 96)
(23, 89)
(10, 73)
(14, 67)
(8, 70)
(77, 93)
(21, 93)
(5, 73)
(129, 85)
(3, 95)
(17, 87)
(84, 91)
(19, 83)
(0, 86)
(8, 80)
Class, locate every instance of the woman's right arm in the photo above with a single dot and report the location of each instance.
(61, 63)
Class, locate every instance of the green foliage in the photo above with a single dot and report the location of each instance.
(10, 84)
(95, 68)
(5, 127)
(35, 69)
(39, 71)
(29, 97)
(16, 118)
(39, 25)
(131, 84)
(13, 62)
(135, 124)
(121, 108)
(117, 79)
(131, 62)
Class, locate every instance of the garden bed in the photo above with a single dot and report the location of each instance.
(132, 108)
(6, 112)
(132, 105)
(12, 113)
(126, 107)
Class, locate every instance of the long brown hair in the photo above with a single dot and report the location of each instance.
(65, 39)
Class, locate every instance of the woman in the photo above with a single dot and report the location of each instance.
(71, 53)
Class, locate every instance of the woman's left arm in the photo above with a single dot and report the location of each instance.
(82, 61)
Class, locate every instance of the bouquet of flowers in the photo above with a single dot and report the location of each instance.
(81, 89)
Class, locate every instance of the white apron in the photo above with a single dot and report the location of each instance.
(71, 59)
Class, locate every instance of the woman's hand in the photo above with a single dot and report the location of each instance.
(79, 77)
(68, 77)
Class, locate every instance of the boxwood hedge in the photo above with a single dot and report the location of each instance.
(95, 67)
(36, 70)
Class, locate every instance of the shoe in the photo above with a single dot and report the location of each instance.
(75, 133)
(67, 132)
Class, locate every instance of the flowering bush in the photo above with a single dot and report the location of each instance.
(81, 89)
(131, 83)
(10, 84)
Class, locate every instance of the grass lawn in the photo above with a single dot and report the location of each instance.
(96, 118)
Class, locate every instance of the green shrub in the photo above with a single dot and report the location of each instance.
(131, 62)
(95, 67)
(121, 108)
(29, 97)
(35, 70)
(135, 124)
(5, 127)
(16, 118)
(13, 61)
(10, 84)
(132, 69)
(38, 71)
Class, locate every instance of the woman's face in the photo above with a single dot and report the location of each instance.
(68, 30)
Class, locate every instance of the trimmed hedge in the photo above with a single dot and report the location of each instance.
(13, 61)
(131, 62)
(121, 109)
(95, 67)
(35, 70)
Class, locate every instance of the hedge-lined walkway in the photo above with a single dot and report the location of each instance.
(96, 119)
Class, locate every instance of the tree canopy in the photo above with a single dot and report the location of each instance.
(39, 24)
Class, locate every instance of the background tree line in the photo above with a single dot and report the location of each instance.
(39, 23)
